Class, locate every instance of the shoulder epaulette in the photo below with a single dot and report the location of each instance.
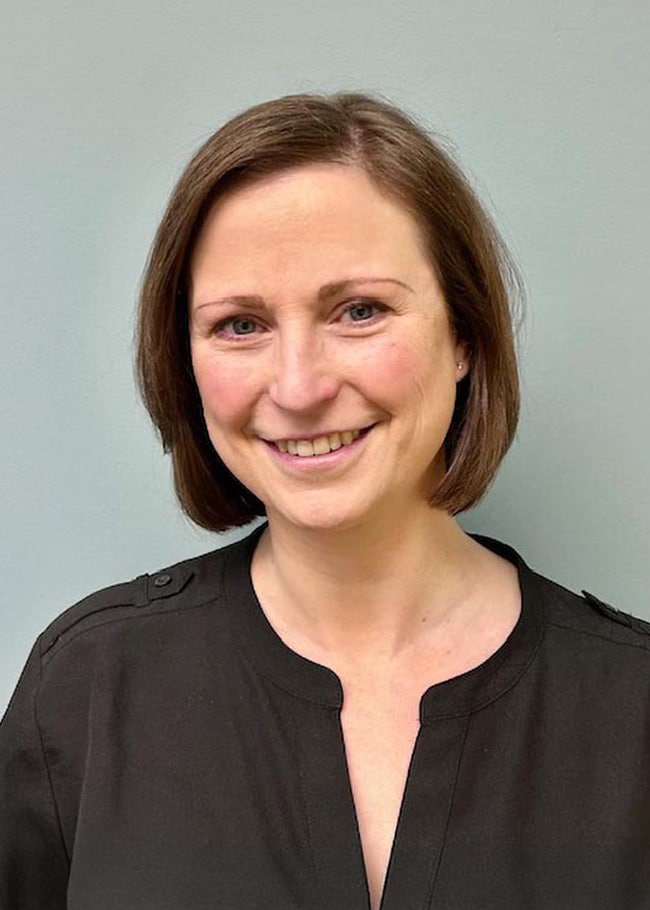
(625, 619)
(137, 593)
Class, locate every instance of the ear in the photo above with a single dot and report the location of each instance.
(461, 357)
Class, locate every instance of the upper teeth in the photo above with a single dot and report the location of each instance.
(321, 446)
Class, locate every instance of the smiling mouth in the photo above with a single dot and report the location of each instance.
(322, 445)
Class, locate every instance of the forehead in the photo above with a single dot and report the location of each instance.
(319, 218)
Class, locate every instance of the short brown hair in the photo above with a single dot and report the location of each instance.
(477, 277)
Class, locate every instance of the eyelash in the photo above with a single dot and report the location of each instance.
(220, 327)
(378, 307)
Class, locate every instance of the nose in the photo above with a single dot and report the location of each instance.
(304, 378)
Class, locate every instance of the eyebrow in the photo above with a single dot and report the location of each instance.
(331, 289)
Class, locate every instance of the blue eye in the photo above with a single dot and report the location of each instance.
(243, 326)
(363, 311)
(236, 325)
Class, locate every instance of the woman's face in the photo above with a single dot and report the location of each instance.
(322, 348)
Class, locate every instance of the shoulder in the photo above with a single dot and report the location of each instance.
(582, 615)
(586, 614)
(157, 620)
(182, 586)
(581, 649)
(613, 614)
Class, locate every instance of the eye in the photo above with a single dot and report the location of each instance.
(363, 310)
(236, 325)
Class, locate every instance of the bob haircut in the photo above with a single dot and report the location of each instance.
(477, 278)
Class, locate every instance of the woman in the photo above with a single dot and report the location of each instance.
(359, 704)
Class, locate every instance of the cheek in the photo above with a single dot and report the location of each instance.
(226, 391)
(413, 371)
(394, 374)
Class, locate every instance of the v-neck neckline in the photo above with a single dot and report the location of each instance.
(445, 712)
(469, 691)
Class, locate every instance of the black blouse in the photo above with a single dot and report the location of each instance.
(165, 750)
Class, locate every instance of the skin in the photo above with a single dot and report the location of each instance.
(355, 571)
(309, 367)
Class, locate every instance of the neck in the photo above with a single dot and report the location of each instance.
(379, 590)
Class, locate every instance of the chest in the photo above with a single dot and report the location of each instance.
(249, 796)
(380, 737)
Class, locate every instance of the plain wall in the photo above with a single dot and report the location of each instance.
(102, 103)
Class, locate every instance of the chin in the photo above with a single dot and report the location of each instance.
(326, 522)
(318, 516)
(325, 512)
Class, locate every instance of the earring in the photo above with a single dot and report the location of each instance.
(460, 365)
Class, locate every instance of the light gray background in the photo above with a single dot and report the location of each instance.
(102, 103)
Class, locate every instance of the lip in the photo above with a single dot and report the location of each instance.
(309, 437)
(318, 462)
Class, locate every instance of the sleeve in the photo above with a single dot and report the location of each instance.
(33, 862)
